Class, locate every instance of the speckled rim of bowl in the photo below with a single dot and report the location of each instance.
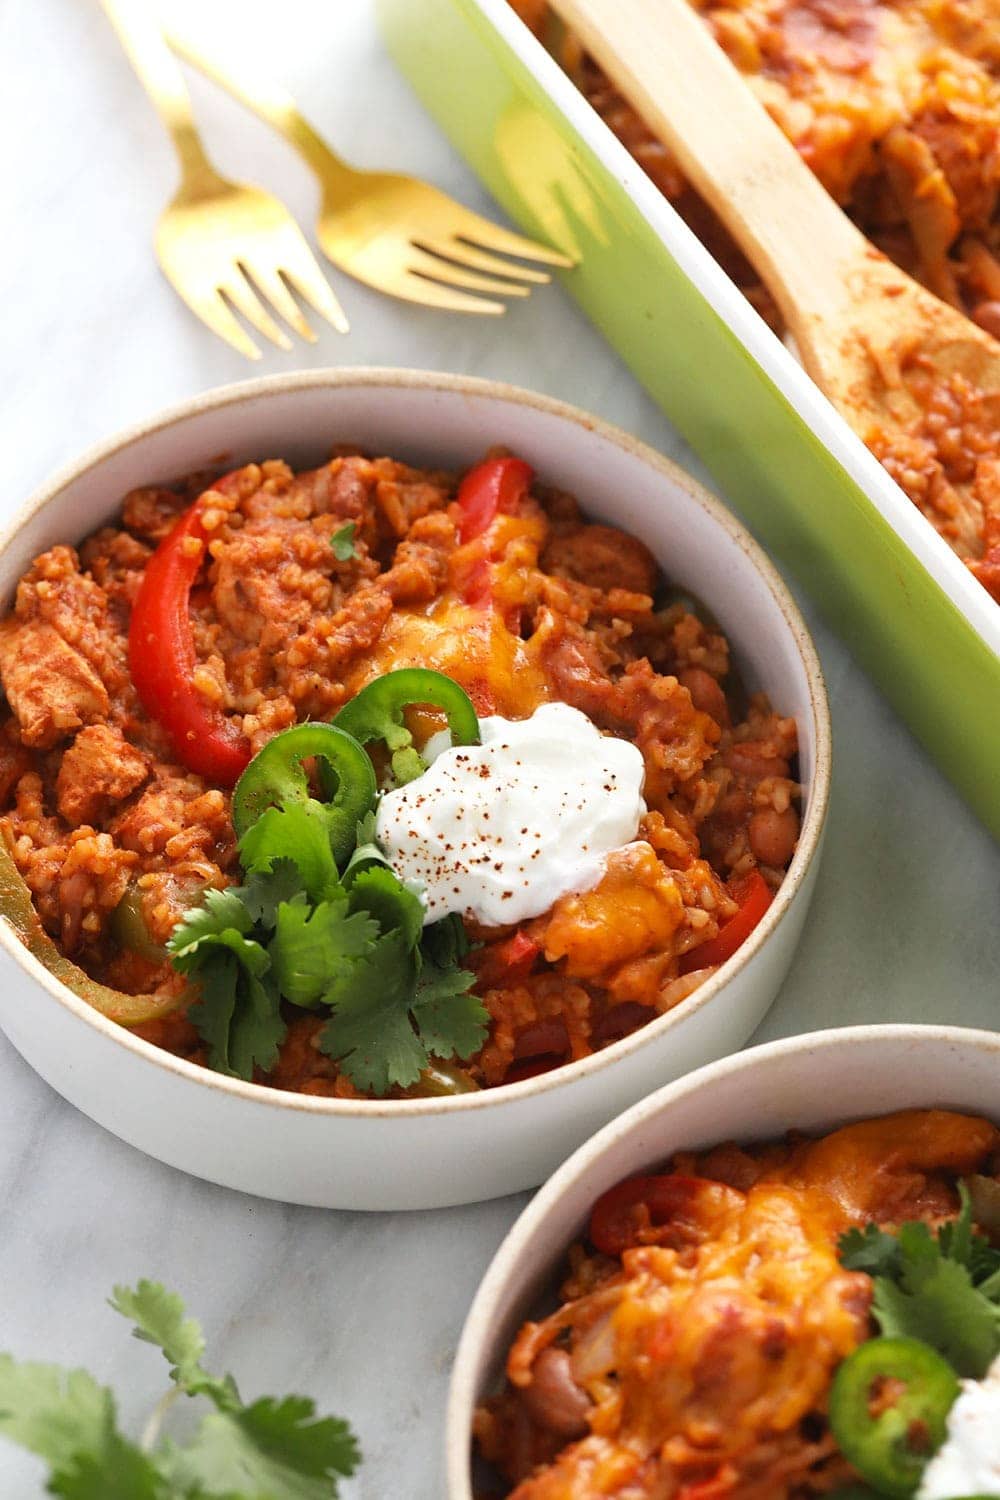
(810, 836)
(461, 1393)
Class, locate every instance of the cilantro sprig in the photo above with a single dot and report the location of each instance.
(351, 943)
(342, 542)
(940, 1287)
(269, 1449)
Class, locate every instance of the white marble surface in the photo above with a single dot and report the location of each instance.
(362, 1312)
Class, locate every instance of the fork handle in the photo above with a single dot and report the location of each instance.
(161, 78)
(262, 97)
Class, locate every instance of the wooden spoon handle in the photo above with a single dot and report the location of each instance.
(662, 58)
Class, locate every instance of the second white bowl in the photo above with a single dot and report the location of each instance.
(809, 1083)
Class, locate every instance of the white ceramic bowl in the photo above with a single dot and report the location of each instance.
(812, 1083)
(424, 1153)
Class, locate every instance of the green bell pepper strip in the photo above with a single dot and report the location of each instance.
(17, 908)
(127, 926)
(276, 778)
(889, 1406)
(440, 1080)
(377, 714)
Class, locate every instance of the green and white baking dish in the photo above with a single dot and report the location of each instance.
(924, 629)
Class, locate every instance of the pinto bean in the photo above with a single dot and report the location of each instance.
(706, 693)
(554, 1398)
(754, 760)
(987, 315)
(621, 1020)
(773, 835)
(542, 1038)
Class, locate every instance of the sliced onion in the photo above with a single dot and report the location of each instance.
(678, 989)
(594, 1353)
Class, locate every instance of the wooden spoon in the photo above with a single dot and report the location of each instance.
(856, 318)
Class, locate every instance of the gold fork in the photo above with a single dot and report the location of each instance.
(221, 244)
(395, 233)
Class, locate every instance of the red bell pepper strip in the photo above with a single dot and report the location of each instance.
(517, 955)
(754, 896)
(506, 962)
(162, 657)
(717, 1488)
(620, 1216)
(493, 488)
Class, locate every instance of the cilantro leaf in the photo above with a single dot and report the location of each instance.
(221, 911)
(942, 1288)
(121, 1472)
(938, 1304)
(268, 1450)
(55, 1413)
(367, 850)
(365, 833)
(238, 1012)
(68, 1420)
(380, 891)
(299, 832)
(225, 941)
(159, 1319)
(371, 1034)
(450, 1020)
(312, 946)
(238, 1008)
(391, 1012)
(959, 1242)
(342, 542)
(265, 890)
(446, 941)
(869, 1249)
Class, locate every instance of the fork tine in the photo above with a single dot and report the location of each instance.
(422, 264)
(301, 268)
(270, 284)
(243, 297)
(415, 288)
(494, 237)
(212, 311)
(476, 260)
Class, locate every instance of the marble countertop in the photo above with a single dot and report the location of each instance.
(362, 1312)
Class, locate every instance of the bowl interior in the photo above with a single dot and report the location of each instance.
(450, 421)
(808, 1083)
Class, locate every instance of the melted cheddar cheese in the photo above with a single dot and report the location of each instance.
(703, 1355)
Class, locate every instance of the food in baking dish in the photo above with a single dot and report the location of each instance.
(300, 902)
(896, 108)
(772, 1322)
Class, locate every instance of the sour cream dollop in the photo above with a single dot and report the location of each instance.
(499, 831)
(968, 1461)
